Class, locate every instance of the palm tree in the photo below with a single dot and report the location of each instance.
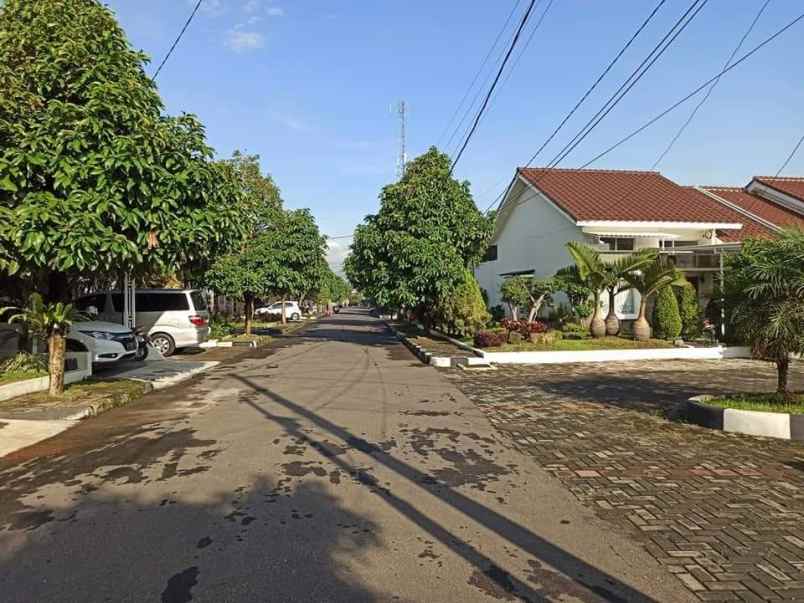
(765, 296)
(648, 280)
(592, 270)
(51, 320)
(615, 282)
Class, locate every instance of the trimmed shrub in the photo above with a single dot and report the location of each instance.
(463, 311)
(515, 337)
(666, 317)
(489, 339)
(690, 313)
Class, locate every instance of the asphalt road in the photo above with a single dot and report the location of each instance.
(331, 467)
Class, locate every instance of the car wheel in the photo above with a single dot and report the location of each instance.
(163, 343)
(295, 316)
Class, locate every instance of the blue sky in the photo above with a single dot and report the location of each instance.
(309, 86)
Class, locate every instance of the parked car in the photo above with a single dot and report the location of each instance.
(107, 341)
(292, 311)
(172, 318)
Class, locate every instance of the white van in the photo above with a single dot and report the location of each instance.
(173, 318)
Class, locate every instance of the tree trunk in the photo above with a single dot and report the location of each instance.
(56, 347)
(248, 301)
(514, 311)
(284, 316)
(641, 324)
(782, 370)
(598, 325)
(534, 309)
(612, 322)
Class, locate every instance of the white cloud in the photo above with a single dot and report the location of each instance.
(254, 20)
(275, 11)
(240, 41)
(211, 7)
(337, 250)
(252, 6)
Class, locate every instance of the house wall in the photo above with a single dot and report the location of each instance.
(533, 238)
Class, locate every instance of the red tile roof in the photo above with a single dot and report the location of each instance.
(792, 186)
(626, 195)
(759, 206)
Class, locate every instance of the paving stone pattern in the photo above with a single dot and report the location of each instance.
(723, 512)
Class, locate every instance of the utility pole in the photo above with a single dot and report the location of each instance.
(403, 156)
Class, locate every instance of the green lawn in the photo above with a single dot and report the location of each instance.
(760, 402)
(12, 376)
(580, 345)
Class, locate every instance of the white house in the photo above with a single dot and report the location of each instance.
(618, 212)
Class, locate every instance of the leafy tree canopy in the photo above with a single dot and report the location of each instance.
(93, 176)
(428, 231)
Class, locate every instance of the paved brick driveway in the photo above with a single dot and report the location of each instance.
(723, 512)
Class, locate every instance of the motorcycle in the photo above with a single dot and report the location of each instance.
(143, 341)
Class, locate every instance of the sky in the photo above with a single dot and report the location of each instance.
(311, 86)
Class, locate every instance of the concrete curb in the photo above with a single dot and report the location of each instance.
(438, 361)
(561, 357)
(749, 422)
(41, 384)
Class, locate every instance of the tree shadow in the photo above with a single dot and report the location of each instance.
(583, 579)
(263, 541)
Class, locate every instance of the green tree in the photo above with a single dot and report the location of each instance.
(690, 312)
(52, 321)
(414, 251)
(648, 281)
(93, 177)
(292, 256)
(615, 283)
(514, 292)
(592, 272)
(666, 316)
(241, 272)
(464, 312)
(568, 281)
(765, 298)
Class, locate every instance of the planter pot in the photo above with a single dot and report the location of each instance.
(641, 330)
(597, 326)
(612, 324)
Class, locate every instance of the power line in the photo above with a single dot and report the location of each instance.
(493, 85)
(591, 89)
(681, 101)
(476, 98)
(790, 156)
(177, 40)
(527, 44)
(711, 88)
(479, 71)
(658, 50)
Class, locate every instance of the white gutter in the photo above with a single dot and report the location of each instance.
(661, 225)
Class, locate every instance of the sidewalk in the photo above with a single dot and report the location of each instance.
(29, 419)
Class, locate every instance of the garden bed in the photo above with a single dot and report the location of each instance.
(14, 376)
(80, 400)
(577, 345)
(750, 414)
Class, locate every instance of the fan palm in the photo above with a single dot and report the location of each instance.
(51, 320)
(765, 289)
(592, 270)
(616, 283)
(649, 280)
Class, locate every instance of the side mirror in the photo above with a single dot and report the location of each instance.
(92, 311)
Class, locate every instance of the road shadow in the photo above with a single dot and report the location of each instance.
(263, 540)
(579, 579)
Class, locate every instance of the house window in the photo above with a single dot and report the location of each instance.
(618, 244)
(491, 254)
